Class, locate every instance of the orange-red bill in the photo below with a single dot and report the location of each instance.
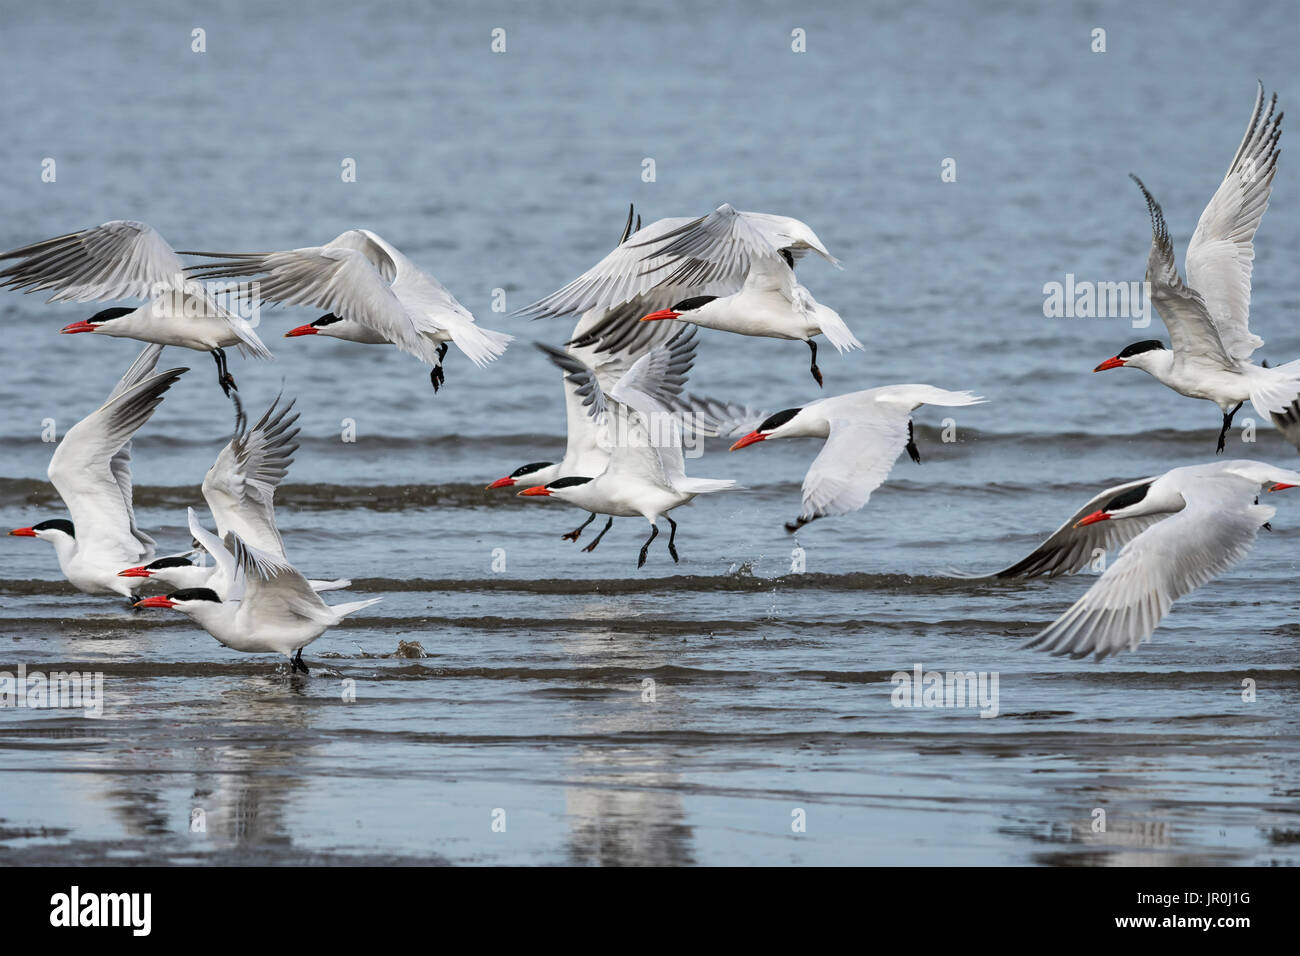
(23, 532)
(140, 572)
(661, 314)
(1115, 362)
(1281, 485)
(300, 330)
(747, 440)
(501, 483)
(156, 601)
(76, 327)
(535, 490)
(1092, 519)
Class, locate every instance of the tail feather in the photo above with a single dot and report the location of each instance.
(337, 584)
(480, 345)
(836, 332)
(916, 395)
(702, 486)
(343, 610)
(1274, 389)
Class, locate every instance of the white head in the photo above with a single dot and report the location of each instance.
(687, 310)
(536, 473)
(1150, 355)
(329, 325)
(788, 423)
(1129, 503)
(174, 571)
(569, 488)
(197, 603)
(106, 321)
(57, 531)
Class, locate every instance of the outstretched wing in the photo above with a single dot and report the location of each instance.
(434, 309)
(274, 588)
(240, 486)
(1069, 549)
(1166, 561)
(854, 462)
(1221, 255)
(629, 273)
(121, 259)
(91, 467)
(346, 277)
(659, 375)
(726, 244)
(1191, 330)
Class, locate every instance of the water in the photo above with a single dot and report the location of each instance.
(772, 689)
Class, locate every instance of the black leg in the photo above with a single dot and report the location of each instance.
(576, 532)
(224, 378)
(672, 536)
(437, 377)
(797, 523)
(816, 372)
(911, 444)
(654, 533)
(1227, 423)
(297, 663)
(592, 546)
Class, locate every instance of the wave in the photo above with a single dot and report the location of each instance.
(742, 580)
(316, 496)
(1194, 439)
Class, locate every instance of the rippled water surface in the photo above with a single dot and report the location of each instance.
(689, 713)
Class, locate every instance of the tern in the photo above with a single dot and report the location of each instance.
(272, 608)
(1177, 531)
(865, 433)
(239, 490)
(609, 356)
(124, 259)
(374, 295)
(584, 453)
(729, 270)
(1208, 315)
(645, 475)
(91, 471)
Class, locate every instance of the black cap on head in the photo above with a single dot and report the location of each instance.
(776, 421)
(172, 562)
(568, 482)
(194, 594)
(1137, 348)
(1128, 497)
(329, 318)
(106, 314)
(56, 524)
(530, 468)
(694, 302)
